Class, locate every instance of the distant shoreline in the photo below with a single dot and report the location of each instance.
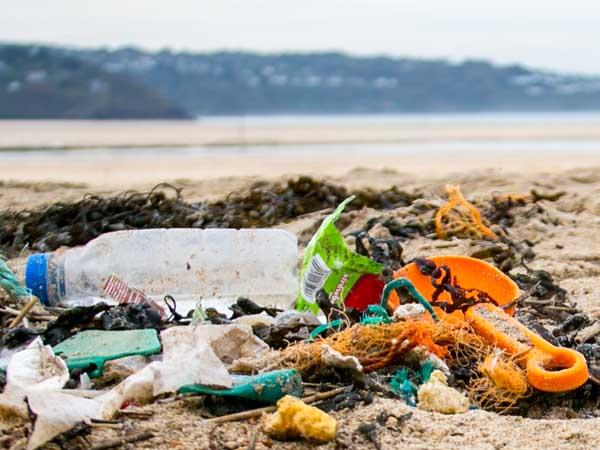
(261, 131)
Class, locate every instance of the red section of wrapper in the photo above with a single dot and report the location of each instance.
(366, 291)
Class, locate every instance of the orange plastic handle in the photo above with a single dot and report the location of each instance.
(549, 368)
(470, 273)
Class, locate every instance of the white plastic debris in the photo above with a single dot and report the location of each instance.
(333, 358)
(188, 358)
(35, 375)
(56, 413)
(37, 368)
(408, 310)
(251, 320)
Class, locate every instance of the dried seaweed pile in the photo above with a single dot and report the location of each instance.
(263, 205)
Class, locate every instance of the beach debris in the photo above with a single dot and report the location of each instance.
(230, 342)
(329, 265)
(119, 291)
(435, 395)
(188, 358)
(35, 376)
(90, 349)
(226, 261)
(455, 283)
(502, 385)
(402, 385)
(460, 218)
(333, 358)
(117, 370)
(295, 419)
(287, 327)
(266, 387)
(408, 311)
(549, 368)
(246, 307)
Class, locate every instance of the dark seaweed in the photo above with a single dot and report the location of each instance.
(262, 205)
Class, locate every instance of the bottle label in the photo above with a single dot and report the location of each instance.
(121, 292)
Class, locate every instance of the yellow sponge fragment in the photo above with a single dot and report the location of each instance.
(294, 419)
(436, 395)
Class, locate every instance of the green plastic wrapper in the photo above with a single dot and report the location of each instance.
(330, 265)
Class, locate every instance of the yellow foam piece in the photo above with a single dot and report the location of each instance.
(295, 419)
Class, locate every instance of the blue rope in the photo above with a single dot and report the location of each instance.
(412, 290)
(8, 282)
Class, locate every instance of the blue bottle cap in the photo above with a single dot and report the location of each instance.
(35, 276)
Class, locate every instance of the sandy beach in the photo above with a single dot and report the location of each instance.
(566, 246)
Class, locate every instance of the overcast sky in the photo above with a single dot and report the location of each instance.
(563, 35)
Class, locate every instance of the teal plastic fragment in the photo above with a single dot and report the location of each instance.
(427, 369)
(95, 347)
(402, 386)
(265, 387)
(334, 324)
(375, 315)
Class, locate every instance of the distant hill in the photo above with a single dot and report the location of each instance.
(66, 82)
(45, 83)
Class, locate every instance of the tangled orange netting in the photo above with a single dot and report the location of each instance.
(499, 383)
(502, 384)
(460, 218)
(377, 346)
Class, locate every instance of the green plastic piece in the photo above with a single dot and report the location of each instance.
(95, 347)
(265, 387)
(330, 265)
(375, 315)
(334, 324)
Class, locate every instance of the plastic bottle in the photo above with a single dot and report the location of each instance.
(215, 265)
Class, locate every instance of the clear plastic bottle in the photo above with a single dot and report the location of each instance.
(215, 265)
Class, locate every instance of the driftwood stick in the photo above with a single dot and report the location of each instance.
(124, 440)
(30, 304)
(267, 409)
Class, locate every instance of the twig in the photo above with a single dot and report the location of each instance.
(125, 440)
(104, 424)
(30, 304)
(136, 412)
(34, 315)
(267, 409)
(180, 397)
(85, 393)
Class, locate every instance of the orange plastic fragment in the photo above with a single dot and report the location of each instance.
(469, 273)
(549, 368)
(460, 218)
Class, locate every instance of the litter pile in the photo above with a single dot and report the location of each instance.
(223, 316)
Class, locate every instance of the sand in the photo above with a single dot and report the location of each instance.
(567, 246)
(254, 131)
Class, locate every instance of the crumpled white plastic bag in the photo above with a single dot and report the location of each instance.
(188, 358)
(36, 374)
(37, 367)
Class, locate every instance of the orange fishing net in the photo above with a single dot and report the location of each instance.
(460, 218)
(502, 384)
(378, 346)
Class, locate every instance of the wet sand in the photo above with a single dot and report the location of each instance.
(566, 246)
